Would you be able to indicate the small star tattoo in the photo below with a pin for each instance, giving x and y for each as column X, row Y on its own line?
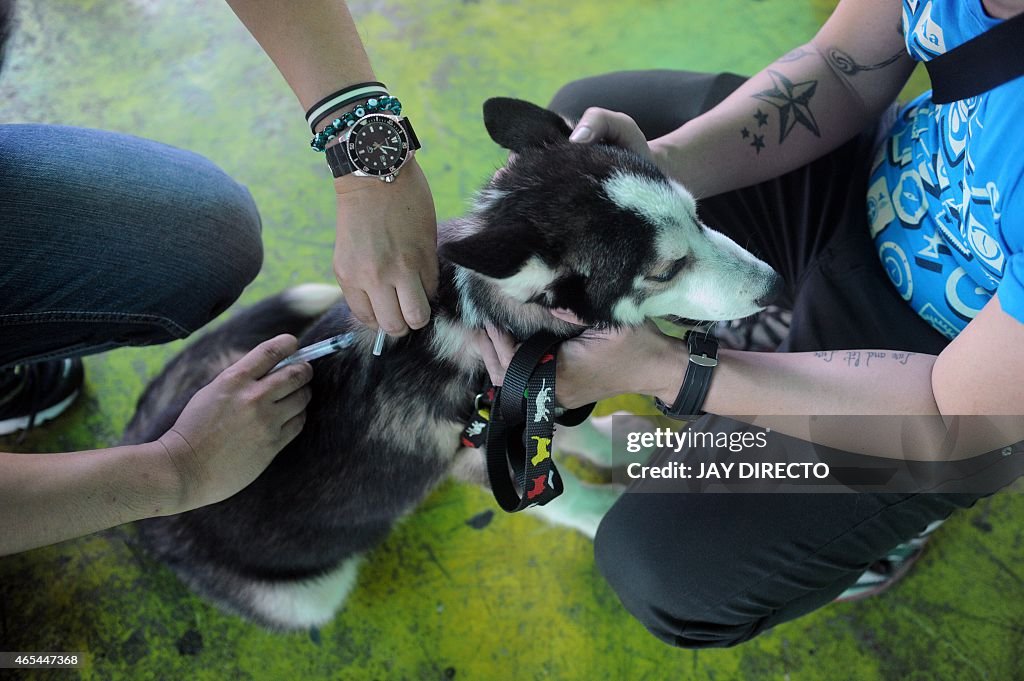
column 762, row 118
column 745, row 133
column 758, row 143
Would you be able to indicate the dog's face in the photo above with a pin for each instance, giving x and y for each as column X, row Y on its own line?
column 599, row 231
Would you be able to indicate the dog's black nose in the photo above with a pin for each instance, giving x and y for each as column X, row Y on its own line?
column 775, row 288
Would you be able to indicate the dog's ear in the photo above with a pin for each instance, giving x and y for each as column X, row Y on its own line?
column 495, row 251
column 518, row 125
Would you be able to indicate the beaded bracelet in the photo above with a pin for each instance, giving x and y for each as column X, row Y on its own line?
column 388, row 104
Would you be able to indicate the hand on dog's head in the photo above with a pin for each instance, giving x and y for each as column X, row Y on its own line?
column 550, row 205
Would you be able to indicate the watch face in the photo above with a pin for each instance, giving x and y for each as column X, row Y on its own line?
column 377, row 145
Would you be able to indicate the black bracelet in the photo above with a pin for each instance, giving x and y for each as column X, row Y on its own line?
column 697, row 379
column 336, row 100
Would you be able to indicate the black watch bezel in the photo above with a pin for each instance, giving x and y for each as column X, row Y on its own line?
column 405, row 146
column 340, row 160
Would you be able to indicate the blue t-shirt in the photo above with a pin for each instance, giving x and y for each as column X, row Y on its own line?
column 945, row 198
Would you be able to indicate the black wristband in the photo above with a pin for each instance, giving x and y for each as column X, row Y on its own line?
column 334, row 108
column 697, row 379
column 316, row 113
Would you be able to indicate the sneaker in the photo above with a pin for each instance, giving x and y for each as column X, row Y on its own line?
column 889, row 569
column 31, row 394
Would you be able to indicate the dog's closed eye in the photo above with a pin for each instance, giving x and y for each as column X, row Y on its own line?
column 667, row 271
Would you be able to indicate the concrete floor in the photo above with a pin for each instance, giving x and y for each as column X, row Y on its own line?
column 441, row 599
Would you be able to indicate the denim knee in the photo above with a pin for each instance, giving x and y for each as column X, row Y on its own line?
column 217, row 253
column 143, row 243
column 148, row 231
column 205, row 234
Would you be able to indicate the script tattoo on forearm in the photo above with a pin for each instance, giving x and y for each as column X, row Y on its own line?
column 844, row 63
column 857, row 358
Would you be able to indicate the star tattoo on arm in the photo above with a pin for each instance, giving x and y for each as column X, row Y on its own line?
column 757, row 141
column 793, row 102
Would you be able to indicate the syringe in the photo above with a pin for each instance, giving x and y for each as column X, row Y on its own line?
column 328, row 346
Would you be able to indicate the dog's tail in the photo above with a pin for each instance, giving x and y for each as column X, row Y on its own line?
column 292, row 311
column 311, row 300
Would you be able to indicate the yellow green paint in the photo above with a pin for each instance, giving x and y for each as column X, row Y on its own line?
column 440, row 599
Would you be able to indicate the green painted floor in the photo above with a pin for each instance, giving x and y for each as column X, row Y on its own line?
column 440, row 600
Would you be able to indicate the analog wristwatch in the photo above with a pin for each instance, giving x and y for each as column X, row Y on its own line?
column 377, row 145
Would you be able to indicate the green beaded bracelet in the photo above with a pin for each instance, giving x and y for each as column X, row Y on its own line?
column 386, row 104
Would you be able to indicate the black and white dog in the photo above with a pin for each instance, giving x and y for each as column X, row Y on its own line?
column 589, row 228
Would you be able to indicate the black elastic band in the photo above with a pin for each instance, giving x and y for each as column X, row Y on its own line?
column 979, row 65
column 341, row 105
column 356, row 86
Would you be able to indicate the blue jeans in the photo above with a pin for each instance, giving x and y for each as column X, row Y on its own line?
column 110, row 240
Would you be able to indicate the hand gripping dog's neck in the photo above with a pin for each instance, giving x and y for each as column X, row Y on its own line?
column 468, row 300
column 517, row 306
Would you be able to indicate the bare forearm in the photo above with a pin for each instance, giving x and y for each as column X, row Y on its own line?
column 47, row 498
column 875, row 402
column 313, row 43
column 847, row 382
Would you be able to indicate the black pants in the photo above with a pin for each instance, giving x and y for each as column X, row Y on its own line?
column 712, row 570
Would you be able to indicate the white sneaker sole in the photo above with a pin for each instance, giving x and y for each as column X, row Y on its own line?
column 21, row 422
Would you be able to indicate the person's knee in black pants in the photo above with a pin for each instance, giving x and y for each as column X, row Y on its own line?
column 669, row 596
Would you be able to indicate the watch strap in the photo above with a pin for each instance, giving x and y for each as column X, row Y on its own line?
column 697, row 379
column 338, row 160
column 414, row 141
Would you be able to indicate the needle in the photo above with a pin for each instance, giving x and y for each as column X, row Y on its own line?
column 325, row 347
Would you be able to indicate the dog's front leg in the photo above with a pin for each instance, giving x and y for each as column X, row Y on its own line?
column 581, row 506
